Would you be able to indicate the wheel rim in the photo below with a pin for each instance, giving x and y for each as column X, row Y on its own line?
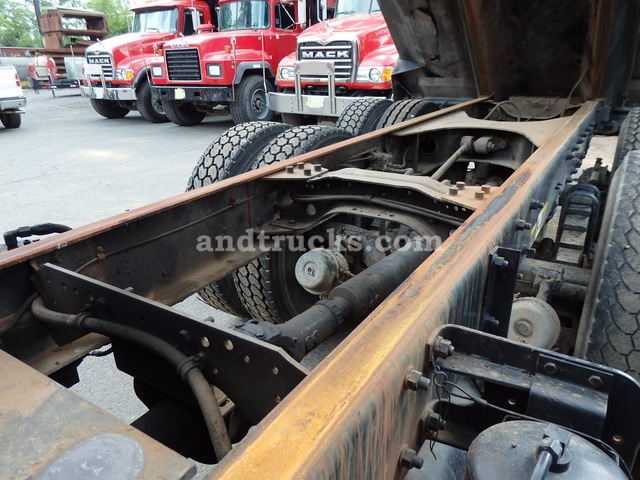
column 259, row 104
column 157, row 105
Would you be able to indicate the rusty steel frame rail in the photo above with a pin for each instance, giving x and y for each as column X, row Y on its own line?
column 352, row 417
column 160, row 217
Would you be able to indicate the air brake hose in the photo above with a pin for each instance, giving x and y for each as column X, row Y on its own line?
column 11, row 237
column 183, row 364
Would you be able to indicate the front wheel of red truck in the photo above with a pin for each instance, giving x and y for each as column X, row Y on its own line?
column 251, row 100
column 363, row 115
column 150, row 109
column 108, row 108
column 182, row 113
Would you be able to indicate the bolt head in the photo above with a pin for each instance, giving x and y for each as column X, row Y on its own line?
column 554, row 447
column 442, row 348
column 550, row 368
column 409, row 458
column 595, row 381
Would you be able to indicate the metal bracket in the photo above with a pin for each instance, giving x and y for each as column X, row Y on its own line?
column 588, row 398
column 499, row 290
column 315, row 69
column 268, row 373
column 561, row 388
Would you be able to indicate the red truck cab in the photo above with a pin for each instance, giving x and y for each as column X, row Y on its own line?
column 116, row 71
column 234, row 66
column 336, row 63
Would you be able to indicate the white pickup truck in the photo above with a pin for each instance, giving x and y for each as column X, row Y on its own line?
column 12, row 98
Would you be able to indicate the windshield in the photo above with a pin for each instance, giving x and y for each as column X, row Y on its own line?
column 156, row 21
column 244, row 15
column 354, row 7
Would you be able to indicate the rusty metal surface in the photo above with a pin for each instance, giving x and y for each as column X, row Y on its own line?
column 536, row 132
column 51, row 433
column 588, row 48
column 62, row 356
column 464, row 196
column 351, row 416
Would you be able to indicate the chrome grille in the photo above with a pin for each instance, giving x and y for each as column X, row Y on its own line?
column 342, row 53
column 104, row 60
column 183, row 64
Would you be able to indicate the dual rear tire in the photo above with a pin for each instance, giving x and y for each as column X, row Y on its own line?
column 266, row 287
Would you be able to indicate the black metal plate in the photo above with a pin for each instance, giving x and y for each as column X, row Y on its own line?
column 254, row 374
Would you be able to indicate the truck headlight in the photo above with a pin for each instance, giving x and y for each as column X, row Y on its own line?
column 214, row 70
column 124, row 74
column 284, row 73
column 374, row 74
column 156, row 71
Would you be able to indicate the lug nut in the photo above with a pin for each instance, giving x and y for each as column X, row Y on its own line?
column 453, row 190
column 434, row 422
column 415, row 381
column 409, row 458
column 536, row 204
column 442, row 348
column 479, row 195
column 460, row 185
column 489, row 322
column 501, row 262
column 486, row 188
column 522, row 225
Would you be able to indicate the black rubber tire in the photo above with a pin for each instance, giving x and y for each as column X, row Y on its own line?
column 151, row 109
column 267, row 285
column 11, row 120
column 615, row 331
column 628, row 137
column 251, row 101
column 234, row 152
column 404, row 110
column 362, row 116
column 108, row 108
column 182, row 113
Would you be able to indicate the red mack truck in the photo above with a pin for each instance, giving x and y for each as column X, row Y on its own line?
column 335, row 64
column 116, row 72
column 233, row 67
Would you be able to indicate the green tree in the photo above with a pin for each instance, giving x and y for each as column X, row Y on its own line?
column 116, row 11
column 18, row 27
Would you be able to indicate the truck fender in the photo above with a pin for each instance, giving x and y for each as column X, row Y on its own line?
column 252, row 66
column 141, row 77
